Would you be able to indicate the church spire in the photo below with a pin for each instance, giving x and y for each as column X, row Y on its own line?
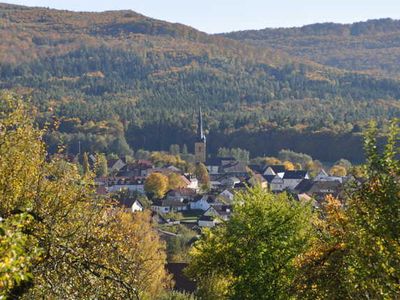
column 200, row 155
column 200, row 132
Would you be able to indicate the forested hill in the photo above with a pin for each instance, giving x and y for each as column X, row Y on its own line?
column 372, row 47
column 118, row 79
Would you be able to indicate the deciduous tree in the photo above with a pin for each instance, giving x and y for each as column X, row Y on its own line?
column 156, row 184
column 253, row 254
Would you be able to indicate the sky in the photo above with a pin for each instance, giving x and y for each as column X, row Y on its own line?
column 214, row 16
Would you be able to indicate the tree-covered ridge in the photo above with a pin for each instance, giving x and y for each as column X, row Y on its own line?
column 370, row 47
column 119, row 79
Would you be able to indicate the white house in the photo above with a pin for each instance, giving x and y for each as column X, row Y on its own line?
column 136, row 206
column 132, row 205
column 204, row 203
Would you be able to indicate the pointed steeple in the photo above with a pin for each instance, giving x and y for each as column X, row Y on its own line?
column 200, row 132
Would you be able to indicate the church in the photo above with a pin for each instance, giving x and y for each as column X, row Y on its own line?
column 200, row 144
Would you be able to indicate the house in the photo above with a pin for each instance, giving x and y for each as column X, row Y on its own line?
column 304, row 186
column 276, row 184
column 227, row 195
column 319, row 189
column 174, row 169
column 289, row 181
column 133, row 205
column 130, row 184
column 170, row 205
column 203, row 202
column 191, row 182
column 115, row 165
column 222, row 212
column 274, row 170
column 229, row 182
column 237, row 168
column 256, row 168
column 159, row 208
column 214, row 164
column 207, row 221
column 292, row 178
column 323, row 176
column 258, row 180
column 181, row 194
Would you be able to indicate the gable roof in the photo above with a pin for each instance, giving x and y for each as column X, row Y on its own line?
column 276, row 168
column 129, row 202
column 304, row 186
column 235, row 167
column 256, row 168
column 174, row 203
column 296, row 174
column 269, row 178
column 322, row 172
column 206, row 218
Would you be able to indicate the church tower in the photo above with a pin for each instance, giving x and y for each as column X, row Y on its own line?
column 200, row 144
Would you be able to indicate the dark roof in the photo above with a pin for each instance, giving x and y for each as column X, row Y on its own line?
column 295, row 174
column 223, row 209
column 217, row 161
column 182, row 282
column 257, row 168
column 235, row 167
column 128, row 202
column 206, row 218
column 276, row 168
column 174, row 203
column 326, row 187
column 304, row 186
column 269, row 178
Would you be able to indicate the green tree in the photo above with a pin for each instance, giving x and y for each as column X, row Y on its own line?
column 18, row 252
column 374, row 235
column 356, row 253
column 253, row 254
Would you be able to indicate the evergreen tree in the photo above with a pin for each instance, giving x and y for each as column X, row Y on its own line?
column 85, row 164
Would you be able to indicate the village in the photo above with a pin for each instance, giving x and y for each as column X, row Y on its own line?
column 197, row 206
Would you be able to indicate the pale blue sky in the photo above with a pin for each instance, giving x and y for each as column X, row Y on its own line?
column 227, row 15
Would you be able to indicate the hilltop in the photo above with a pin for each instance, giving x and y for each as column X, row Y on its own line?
column 119, row 79
column 372, row 47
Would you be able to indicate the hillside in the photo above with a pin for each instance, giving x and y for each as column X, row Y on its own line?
column 372, row 47
column 118, row 79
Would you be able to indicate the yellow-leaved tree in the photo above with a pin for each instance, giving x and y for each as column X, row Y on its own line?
column 76, row 245
column 156, row 184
